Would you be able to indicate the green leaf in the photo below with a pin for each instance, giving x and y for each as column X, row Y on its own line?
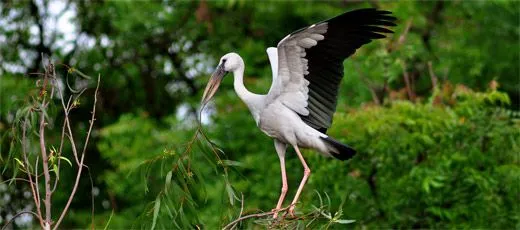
column 156, row 209
column 232, row 163
column 168, row 181
column 65, row 159
column 19, row 162
column 109, row 219
column 344, row 221
column 231, row 193
column 55, row 169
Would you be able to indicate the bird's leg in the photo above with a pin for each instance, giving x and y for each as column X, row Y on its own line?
column 284, row 188
column 306, row 174
column 280, row 148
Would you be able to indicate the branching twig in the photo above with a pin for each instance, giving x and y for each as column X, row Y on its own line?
column 80, row 166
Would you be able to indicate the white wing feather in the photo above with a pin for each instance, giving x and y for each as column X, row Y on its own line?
column 272, row 53
column 290, row 86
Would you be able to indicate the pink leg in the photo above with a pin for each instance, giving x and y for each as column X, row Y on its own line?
column 284, row 187
column 306, row 174
column 280, row 150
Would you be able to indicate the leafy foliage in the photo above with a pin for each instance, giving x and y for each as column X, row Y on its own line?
column 437, row 142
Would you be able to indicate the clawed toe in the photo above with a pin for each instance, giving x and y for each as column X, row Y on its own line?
column 276, row 211
column 291, row 212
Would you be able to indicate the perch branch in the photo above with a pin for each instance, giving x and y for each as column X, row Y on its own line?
column 256, row 215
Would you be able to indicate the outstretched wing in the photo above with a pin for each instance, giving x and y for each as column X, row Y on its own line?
column 310, row 62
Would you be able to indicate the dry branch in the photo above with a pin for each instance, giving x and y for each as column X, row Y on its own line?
column 47, row 86
column 80, row 165
column 256, row 215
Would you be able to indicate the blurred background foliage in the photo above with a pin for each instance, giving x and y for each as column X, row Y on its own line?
column 432, row 111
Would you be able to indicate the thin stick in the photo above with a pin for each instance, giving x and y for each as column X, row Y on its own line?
column 256, row 215
column 78, row 175
column 241, row 211
column 18, row 214
column 58, row 154
column 66, row 110
column 31, row 183
column 406, row 77
column 71, row 139
column 241, row 206
column 45, row 159
column 36, row 176
column 16, row 179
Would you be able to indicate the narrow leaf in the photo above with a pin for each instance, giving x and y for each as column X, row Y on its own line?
column 168, row 181
column 19, row 162
column 344, row 221
column 67, row 160
column 156, row 208
column 109, row 219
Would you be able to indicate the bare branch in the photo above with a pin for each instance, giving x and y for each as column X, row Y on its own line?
column 45, row 159
column 406, row 77
column 402, row 38
column 36, row 181
column 17, row 215
column 16, row 179
column 59, row 153
column 34, row 186
column 256, row 215
column 78, row 175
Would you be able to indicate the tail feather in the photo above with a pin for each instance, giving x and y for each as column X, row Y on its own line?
column 339, row 150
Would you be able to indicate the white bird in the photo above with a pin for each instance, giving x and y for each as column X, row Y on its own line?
column 307, row 68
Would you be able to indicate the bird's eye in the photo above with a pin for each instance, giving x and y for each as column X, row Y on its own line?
column 223, row 61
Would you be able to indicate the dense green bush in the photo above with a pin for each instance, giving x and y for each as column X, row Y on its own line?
column 431, row 165
column 450, row 162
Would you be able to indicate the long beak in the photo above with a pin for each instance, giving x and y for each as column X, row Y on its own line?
column 213, row 84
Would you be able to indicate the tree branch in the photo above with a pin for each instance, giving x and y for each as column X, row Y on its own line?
column 49, row 71
column 78, row 175
column 45, row 159
column 31, row 183
column 19, row 214
column 409, row 91
column 256, row 215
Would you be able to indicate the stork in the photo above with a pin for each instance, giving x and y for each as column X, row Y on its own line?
column 307, row 68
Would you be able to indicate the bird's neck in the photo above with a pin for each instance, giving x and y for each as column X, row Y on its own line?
column 253, row 101
column 238, row 84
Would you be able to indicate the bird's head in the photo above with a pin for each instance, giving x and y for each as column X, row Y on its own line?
column 228, row 63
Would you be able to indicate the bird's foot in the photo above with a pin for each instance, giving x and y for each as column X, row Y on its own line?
column 291, row 212
column 275, row 211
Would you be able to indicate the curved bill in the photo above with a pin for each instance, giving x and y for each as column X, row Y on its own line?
column 213, row 84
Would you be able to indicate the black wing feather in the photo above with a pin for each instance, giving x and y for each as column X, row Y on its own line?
column 345, row 33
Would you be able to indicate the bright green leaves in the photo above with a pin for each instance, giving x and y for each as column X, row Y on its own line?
column 435, row 164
